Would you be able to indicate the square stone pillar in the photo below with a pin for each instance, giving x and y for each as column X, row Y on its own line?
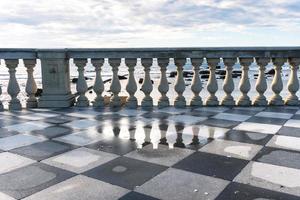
column 55, row 79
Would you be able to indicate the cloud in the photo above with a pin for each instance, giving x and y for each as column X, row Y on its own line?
column 98, row 23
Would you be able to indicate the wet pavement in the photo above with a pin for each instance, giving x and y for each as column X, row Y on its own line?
column 204, row 153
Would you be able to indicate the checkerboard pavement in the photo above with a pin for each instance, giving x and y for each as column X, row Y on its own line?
column 204, row 153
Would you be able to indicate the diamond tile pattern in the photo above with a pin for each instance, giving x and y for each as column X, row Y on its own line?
column 204, row 153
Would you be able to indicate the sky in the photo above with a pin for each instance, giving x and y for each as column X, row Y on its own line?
column 148, row 23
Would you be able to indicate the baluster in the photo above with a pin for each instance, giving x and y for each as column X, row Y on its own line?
column 13, row 88
column 277, row 86
column 244, row 99
column 180, row 84
column 228, row 85
column 261, row 83
column 147, row 84
column 115, row 87
column 196, row 82
column 1, row 105
column 163, row 87
column 293, row 84
column 131, row 87
column 81, row 86
column 212, row 84
column 31, row 87
column 98, row 85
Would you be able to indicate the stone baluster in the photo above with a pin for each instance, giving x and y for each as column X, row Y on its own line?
column 261, row 83
column 293, row 84
column 196, row 82
column 115, row 87
column 131, row 86
column 81, row 86
column 13, row 88
column 244, row 99
column 31, row 87
column 163, row 87
column 98, row 85
column 212, row 85
column 180, row 84
column 277, row 85
column 1, row 105
column 228, row 85
column 147, row 83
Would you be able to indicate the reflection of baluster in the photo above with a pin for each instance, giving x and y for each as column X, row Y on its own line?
column 277, row 86
column 163, row 87
column 195, row 140
column 261, row 84
column 13, row 88
column 179, row 141
column 98, row 85
column 131, row 131
column 147, row 130
column 244, row 99
column 196, row 82
column 293, row 84
column 131, row 86
column 163, row 127
column 180, row 84
column 31, row 87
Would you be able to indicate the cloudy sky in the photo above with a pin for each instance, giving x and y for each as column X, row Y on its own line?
column 149, row 23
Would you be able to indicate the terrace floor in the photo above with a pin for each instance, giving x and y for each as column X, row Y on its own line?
column 204, row 153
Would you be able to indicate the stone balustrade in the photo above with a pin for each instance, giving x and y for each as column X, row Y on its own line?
column 56, row 76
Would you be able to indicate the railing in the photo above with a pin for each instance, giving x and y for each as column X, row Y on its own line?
column 56, row 76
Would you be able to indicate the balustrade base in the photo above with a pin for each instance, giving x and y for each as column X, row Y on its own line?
column 260, row 101
column 292, row 101
column 276, row 101
column 244, row 101
column 98, row 103
column 132, row 103
column 180, row 102
column 146, row 103
column 229, row 101
column 1, row 107
column 14, row 106
column 163, row 102
column 196, row 101
column 31, row 104
column 56, row 101
column 212, row 101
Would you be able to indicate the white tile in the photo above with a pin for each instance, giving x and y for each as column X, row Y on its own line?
column 27, row 126
column 232, row 149
column 272, row 177
column 212, row 109
column 131, row 112
column 252, row 108
column 5, row 197
column 186, row 119
column 17, row 141
column 205, row 131
column 285, row 142
column 258, row 127
column 10, row 161
column 163, row 155
column 80, row 187
column 37, row 116
column 232, row 117
column 172, row 110
column 81, row 138
column 87, row 113
column 80, row 160
column 293, row 123
column 175, row 184
column 83, row 123
column 274, row 115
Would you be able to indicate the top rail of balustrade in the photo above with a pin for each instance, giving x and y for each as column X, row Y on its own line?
column 188, row 52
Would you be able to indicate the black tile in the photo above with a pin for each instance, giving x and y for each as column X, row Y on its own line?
column 242, row 112
column 212, row 165
column 6, row 133
column 247, row 192
column 114, row 145
column 156, row 115
column 8, row 121
column 280, row 157
column 53, row 131
column 267, row 120
column 28, row 180
column 197, row 113
column 60, row 119
column 289, row 131
column 125, row 172
column 247, row 137
column 220, row 123
column 42, row 150
column 136, row 196
column 295, row 117
column 282, row 109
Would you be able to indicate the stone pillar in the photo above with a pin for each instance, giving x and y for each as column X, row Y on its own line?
column 277, row 85
column 244, row 99
column 147, row 84
column 131, row 86
column 293, row 84
column 196, row 82
column 212, row 84
column 55, row 80
column 81, row 85
column 13, row 88
column 31, row 87
column 228, row 85
column 261, row 84
column 98, row 85
column 180, row 84
column 163, row 86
